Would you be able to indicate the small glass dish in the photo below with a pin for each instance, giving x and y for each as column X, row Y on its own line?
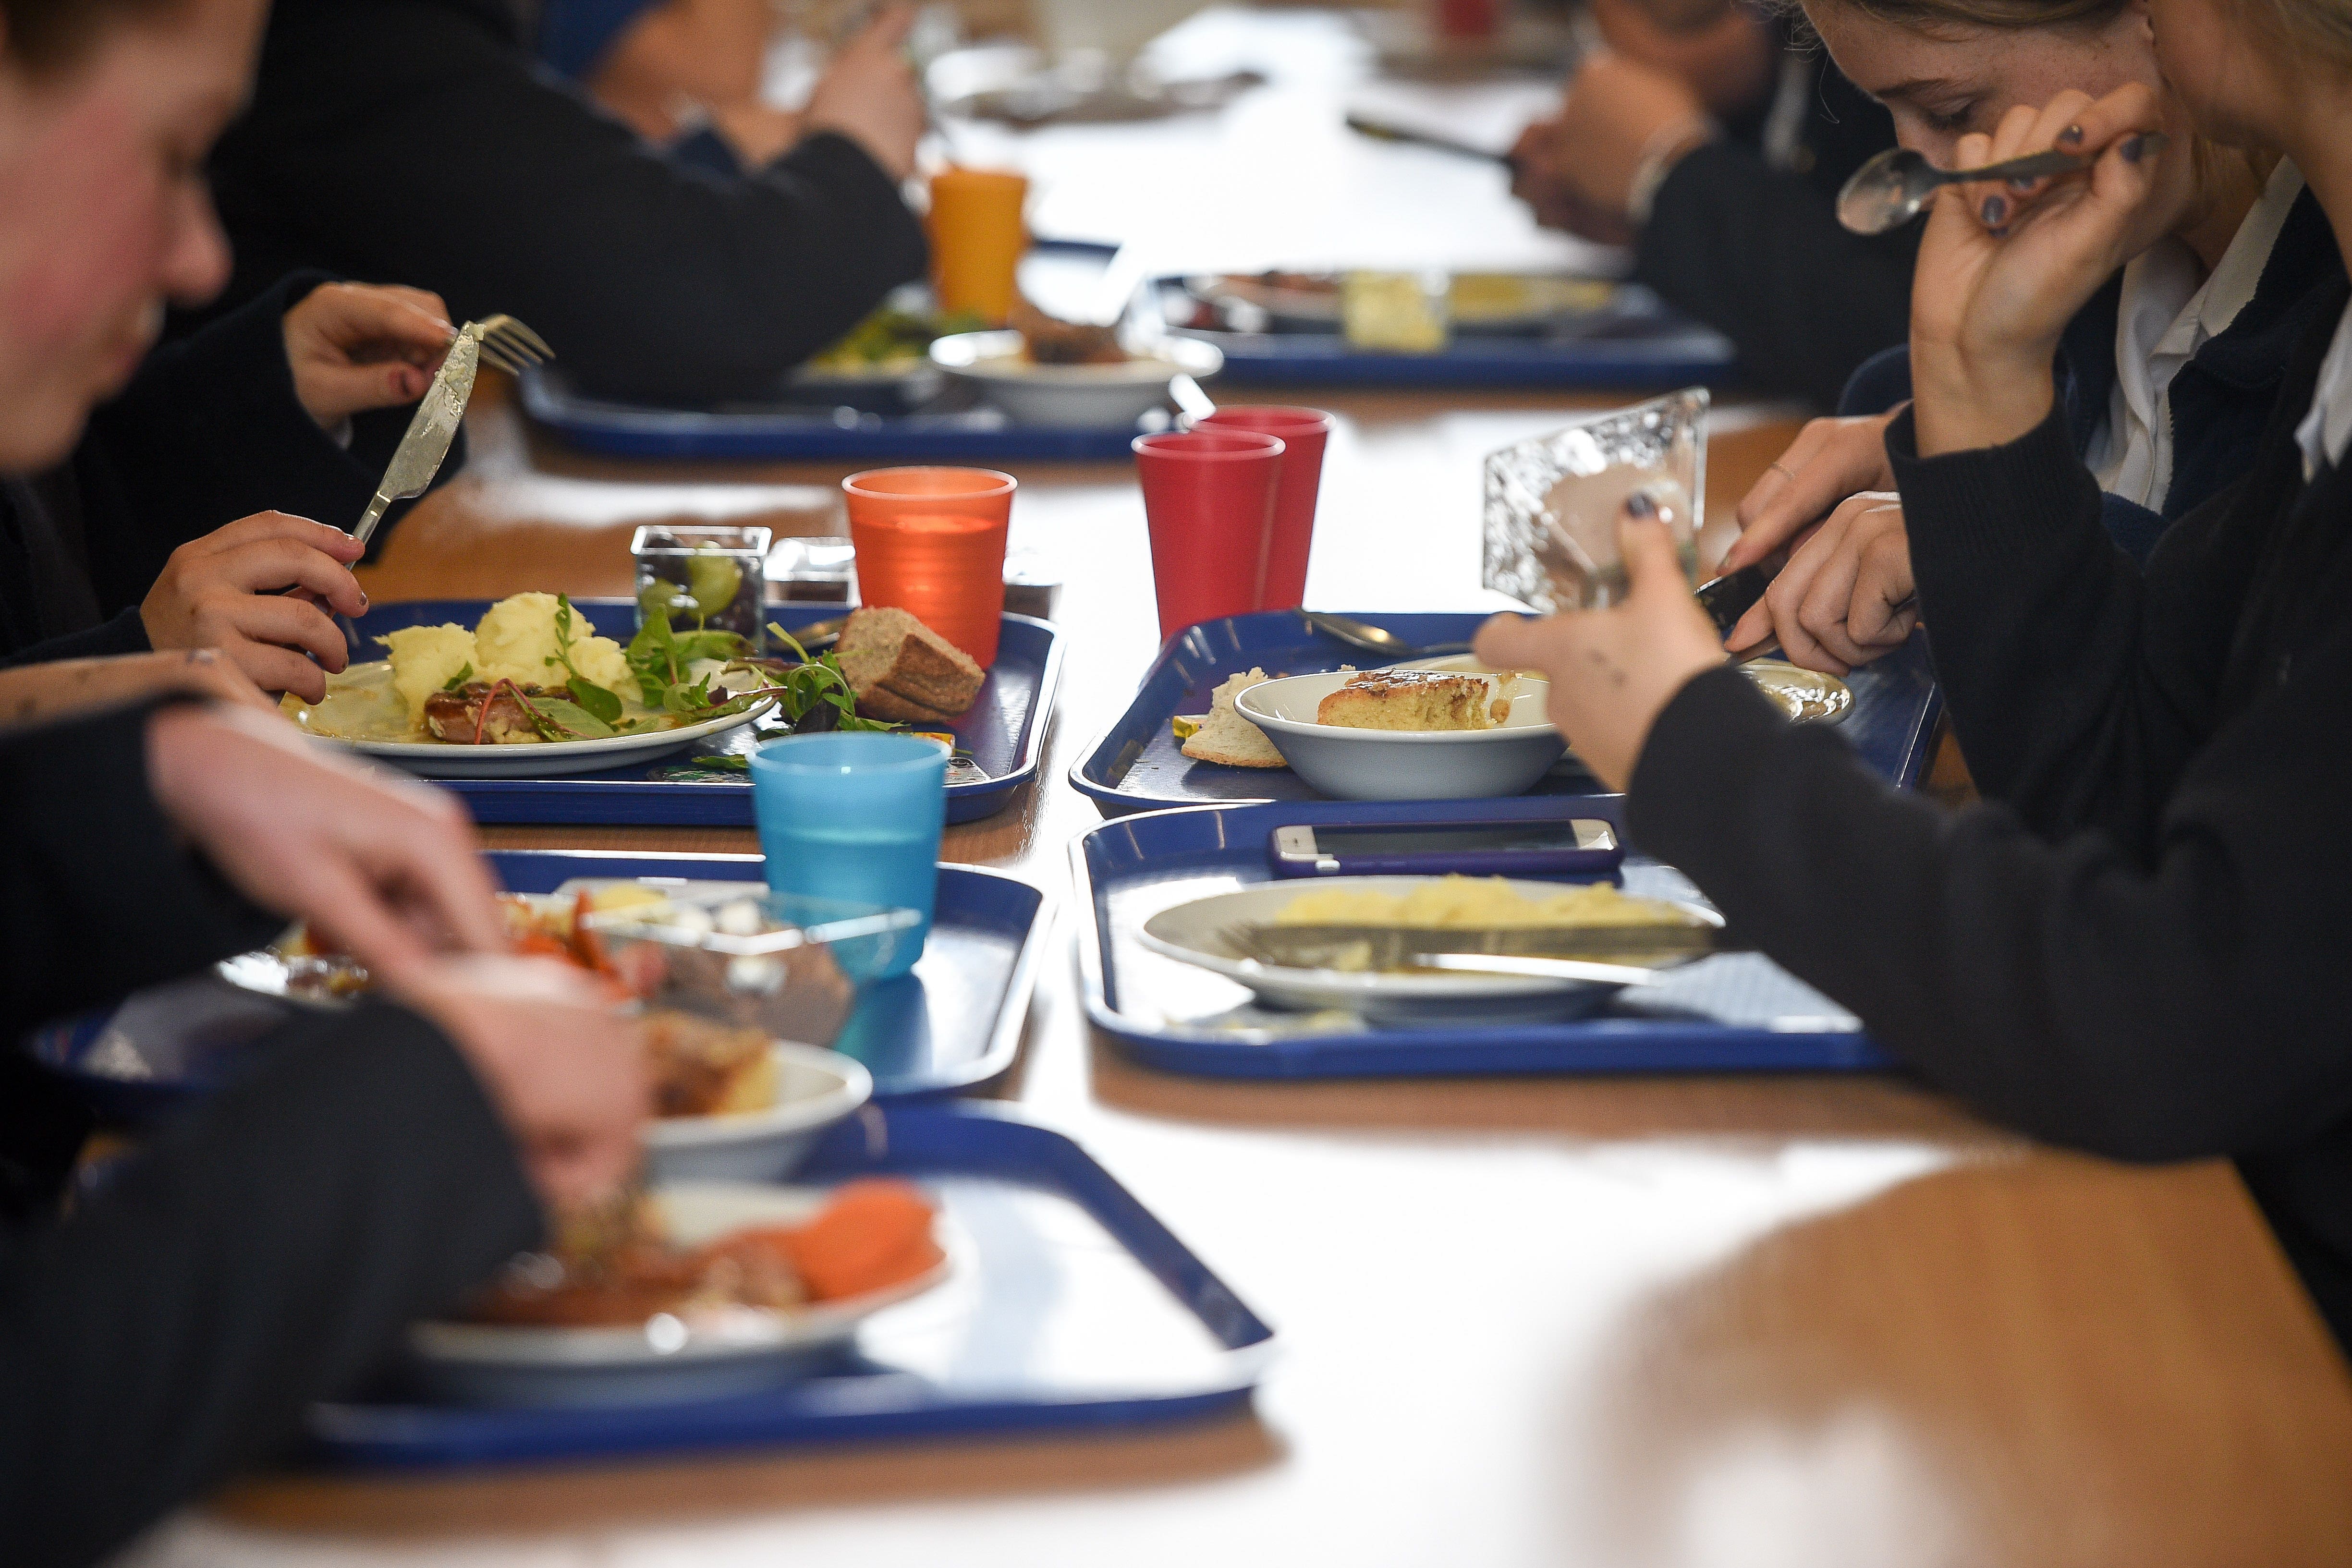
column 821, row 569
column 712, row 576
column 743, row 955
column 1552, row 503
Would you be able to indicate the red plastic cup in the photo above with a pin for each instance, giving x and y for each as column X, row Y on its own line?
column 1303, row 432
column 930, row 542
column 1208, row 496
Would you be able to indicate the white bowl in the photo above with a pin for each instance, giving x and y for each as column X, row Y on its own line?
column 708, row 1356
column 1072, row 396
column 1404, row 765
column 814, row 1089
column 1194, row 933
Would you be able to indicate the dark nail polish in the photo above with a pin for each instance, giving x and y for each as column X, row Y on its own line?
column 2134, row 149
column 2000, row 233
column 363, row 601
column 1639, row 505
column 2072, row 136
column 1995, row 209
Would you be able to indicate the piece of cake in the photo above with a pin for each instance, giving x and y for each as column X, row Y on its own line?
column 1226, row 736
column 1418, row 700
column 901, row 669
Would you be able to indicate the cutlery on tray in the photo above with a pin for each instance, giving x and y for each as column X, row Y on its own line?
column 1374, row 639
column 1376, row 947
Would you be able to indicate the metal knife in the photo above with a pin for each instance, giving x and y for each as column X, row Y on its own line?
column 430, row 430
column 1396, row 947
column 1727, row 598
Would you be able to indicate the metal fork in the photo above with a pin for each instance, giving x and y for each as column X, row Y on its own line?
column 508, row 344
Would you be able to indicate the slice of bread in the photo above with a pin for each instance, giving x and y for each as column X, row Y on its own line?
column 901, row 669
column 1226, row 736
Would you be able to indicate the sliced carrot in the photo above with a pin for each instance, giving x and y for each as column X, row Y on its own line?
column 874, row 1234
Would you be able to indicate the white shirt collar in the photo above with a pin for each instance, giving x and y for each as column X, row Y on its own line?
column 2164, row 317
column 2328, row 426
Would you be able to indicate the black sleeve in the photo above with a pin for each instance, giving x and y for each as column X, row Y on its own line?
column 124, row 633
column 2187, row 1005
column 208, row 431
column 650, row 279
column 2018, row 579
column 97, row 895
column 263, row 1254
column 1759, row 255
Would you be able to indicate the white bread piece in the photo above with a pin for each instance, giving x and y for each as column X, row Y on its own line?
column 1227, row 737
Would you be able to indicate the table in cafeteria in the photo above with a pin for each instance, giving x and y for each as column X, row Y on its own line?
column 1751, row 1321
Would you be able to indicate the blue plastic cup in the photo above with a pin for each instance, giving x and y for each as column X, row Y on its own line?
column 855, row 817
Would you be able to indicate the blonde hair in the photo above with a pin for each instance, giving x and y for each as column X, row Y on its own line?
column 2321, row 24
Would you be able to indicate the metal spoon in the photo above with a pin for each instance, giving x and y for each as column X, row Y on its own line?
column 1374, row 639
column 1889, row 191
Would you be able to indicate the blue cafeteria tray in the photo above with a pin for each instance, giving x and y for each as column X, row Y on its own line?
column 1135, row 766
column 792, row 434
column 1637, row 342
column 1005, row 731
column 1736, row 1012
column 954, row 1024
column 1072, row 1306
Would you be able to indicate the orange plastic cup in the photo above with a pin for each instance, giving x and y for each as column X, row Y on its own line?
column 930, row 542
column 977, row 240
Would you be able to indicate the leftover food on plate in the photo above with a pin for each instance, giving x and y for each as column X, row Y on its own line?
column 892, row 341
column 1050, row 340
column 619, row 1267
column 533, row 670
column 1470, row 904
column 1419, row 700
column 699, row 1067
column 900, row 669
column 1223, row 736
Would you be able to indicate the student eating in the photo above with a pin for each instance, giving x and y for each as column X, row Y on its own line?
column 2129, row 945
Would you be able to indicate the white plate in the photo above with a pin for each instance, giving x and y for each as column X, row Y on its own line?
column 1404, row 765
column 705, row 1355
column 814, row 1089
column 541, row 758
column 1192, row 933
column 1072, row 396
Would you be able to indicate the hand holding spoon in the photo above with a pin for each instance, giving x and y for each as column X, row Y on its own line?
column 1890, row 190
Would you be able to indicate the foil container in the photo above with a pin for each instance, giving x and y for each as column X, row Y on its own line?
column 1552, row 503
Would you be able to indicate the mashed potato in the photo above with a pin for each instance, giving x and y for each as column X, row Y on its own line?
column 1462, row 903
column 516, row 641
column 427, row 658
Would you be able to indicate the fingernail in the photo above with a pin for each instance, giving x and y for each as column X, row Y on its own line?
column 2072, row 135
column 362, row 600
column 1641, row 504
column 1995, row 208
column 2134, row 149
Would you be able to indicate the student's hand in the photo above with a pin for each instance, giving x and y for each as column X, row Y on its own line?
column 43, row 694
column 1613, row 671
column 869, row 93
column 357, row 346
column 219, row 591
column 566, row 1072
column 1579, row 166
column 383, row 868
column 1541, row 163
column 1830, row 460
column 2002, row 269
column 1834, row 605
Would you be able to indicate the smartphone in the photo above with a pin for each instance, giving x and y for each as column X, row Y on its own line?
column 1581, row 847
